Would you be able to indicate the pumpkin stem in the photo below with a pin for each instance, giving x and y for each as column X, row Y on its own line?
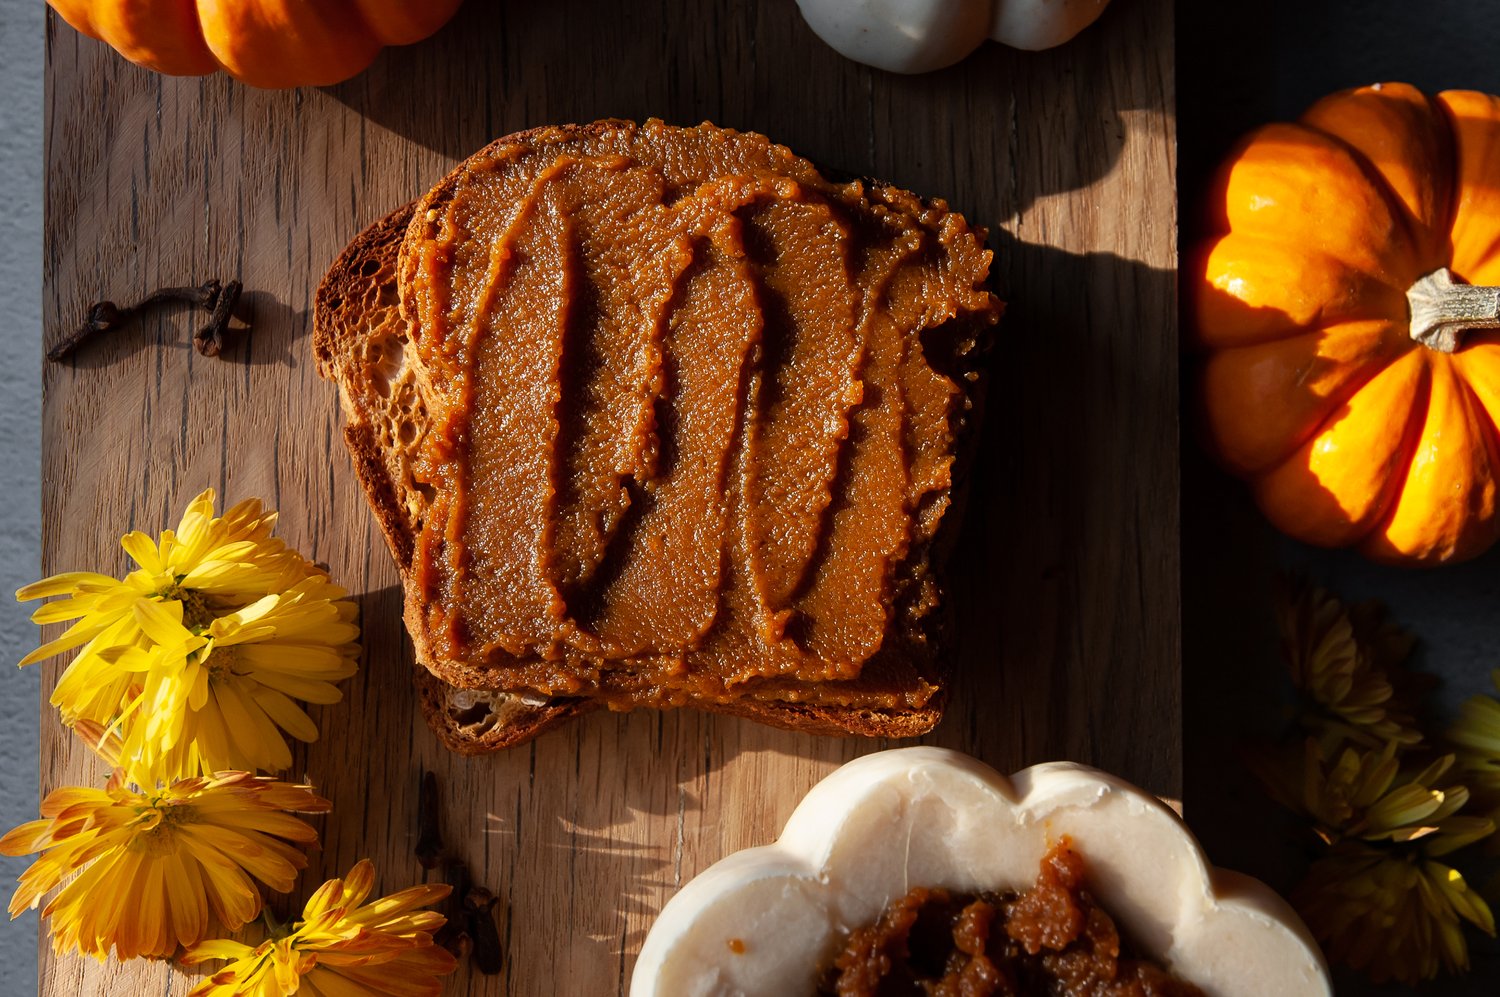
column 1443, row 310
column 106, row 316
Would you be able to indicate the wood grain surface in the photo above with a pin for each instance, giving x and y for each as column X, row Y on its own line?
column 1065, row 585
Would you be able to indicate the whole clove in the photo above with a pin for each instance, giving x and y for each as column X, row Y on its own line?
column 105, row 316
column 470, row 930
column 479, row 909
column 454, row 934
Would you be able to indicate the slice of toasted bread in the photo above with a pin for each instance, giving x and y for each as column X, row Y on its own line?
column 529, row 630
column 359, row 340
column 362, row 341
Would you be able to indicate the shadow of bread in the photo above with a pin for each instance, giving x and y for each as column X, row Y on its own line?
column 1045, row 555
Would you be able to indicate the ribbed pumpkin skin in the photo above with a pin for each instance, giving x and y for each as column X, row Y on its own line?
column 265, row 43
column 1350, row 432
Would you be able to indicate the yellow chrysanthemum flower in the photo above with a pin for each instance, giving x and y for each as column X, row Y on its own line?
column 153, row 864
column 198, row 654
column 1377, row 897
column 1392, row 916
column 342, row 946
column 218, row 697
column 207, row 561
column 1346, row 663
column 1364, row 795
column 1477, row 735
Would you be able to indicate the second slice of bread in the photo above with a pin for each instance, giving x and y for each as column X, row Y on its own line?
column 360, row 342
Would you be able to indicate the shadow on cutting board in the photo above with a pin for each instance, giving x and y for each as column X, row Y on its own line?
column 1065, row 581
column 991, row 134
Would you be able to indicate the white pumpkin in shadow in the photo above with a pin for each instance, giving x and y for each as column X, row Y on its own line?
column 916, row 36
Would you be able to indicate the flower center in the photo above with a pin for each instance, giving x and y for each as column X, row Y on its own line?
column 221, row 661
column 157, row 821
column 196, row 614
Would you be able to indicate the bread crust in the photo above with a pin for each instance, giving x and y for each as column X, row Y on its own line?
column 355, row 305
column 357, row 314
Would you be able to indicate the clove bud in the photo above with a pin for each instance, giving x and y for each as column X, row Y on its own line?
column 470, row 930
column 479, row 911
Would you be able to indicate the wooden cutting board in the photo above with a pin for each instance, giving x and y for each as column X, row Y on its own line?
column 1066, row 583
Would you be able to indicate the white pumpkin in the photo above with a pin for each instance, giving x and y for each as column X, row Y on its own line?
column 915, row 36
column 765, row 921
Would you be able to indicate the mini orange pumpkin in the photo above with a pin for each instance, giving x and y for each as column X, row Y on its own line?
column 266, row 43
column 1348, row 305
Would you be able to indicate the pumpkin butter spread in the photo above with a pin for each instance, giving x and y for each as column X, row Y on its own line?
column 693, row 417
column 1051, row 940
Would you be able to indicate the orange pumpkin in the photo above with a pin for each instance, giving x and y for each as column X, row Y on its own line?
column 1349, row 306
column 266, row 43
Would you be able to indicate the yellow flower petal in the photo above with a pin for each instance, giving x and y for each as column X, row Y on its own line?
column 186, row 904
column 284, row 713
column 161, row 620
column 251, row 732
column 79, row 633
column 62, row 584
column 217, row 948
column 298, row 687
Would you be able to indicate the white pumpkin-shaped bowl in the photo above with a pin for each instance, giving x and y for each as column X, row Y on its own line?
column 768, row 920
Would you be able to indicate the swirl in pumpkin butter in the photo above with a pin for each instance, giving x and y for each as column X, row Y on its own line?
column 694, row 409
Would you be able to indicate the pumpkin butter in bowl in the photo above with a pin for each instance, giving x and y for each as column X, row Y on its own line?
column 663, row 416
column 922, row 871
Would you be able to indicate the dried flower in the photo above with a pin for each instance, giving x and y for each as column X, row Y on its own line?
column 1390, row 915
column 341, row 946
column 154, row 862
column 198, row 654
